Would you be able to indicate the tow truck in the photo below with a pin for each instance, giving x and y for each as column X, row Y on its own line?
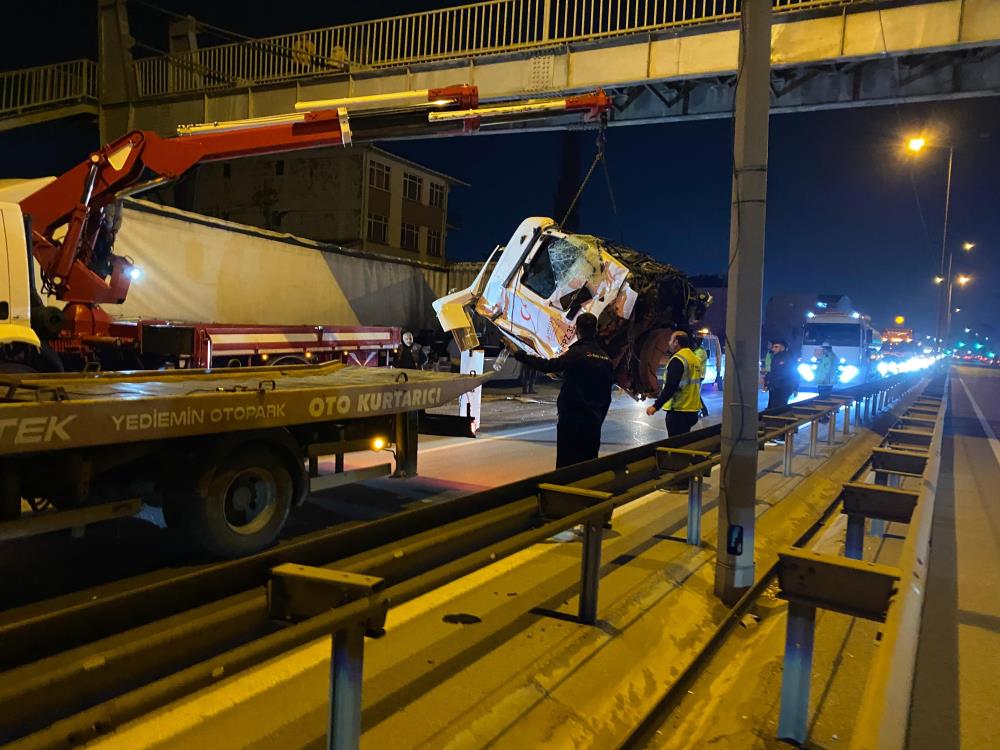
column 68, row 229
column 226, row 452
column 544, row 277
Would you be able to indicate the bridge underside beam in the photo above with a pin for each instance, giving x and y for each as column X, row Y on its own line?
column 34, row 117
column 944, row 75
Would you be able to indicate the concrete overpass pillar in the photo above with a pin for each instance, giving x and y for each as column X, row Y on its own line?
column 118, row 84
column 734, row 571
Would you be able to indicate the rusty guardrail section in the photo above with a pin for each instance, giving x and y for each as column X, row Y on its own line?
column 91, row 666
column 890, row 594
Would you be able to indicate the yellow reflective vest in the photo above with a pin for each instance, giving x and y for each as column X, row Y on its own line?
column 688, row 395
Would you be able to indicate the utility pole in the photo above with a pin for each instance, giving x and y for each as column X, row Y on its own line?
column 734, row 568
column 944, row 299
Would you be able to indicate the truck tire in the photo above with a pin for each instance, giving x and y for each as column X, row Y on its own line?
column 245, row 507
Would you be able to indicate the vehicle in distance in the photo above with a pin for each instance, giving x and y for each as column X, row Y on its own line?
column 855, row 342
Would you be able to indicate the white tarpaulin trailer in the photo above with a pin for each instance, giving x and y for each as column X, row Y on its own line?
column 198, row 268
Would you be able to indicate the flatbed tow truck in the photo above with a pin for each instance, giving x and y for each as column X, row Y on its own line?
column 223, row 452
column 226, row 454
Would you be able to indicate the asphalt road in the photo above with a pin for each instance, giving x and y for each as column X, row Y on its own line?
column 957, row 685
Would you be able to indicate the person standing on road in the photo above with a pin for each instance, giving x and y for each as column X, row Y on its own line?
column 585, row 395
column 528, row 376
column 765, row 367
column 782, row 381
column 826, row 370
column 697, row 345
column 680, row 396
column 408, row 356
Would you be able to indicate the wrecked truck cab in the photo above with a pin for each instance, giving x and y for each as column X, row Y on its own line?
column 533, row 288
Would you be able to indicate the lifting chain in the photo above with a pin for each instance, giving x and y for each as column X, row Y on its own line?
column 599, row 158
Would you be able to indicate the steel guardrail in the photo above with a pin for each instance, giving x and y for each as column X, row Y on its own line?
column 889, row 689
column 47, row 701
column 891, row 594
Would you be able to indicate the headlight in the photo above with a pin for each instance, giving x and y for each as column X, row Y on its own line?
column 848, row 373
column 806, row 372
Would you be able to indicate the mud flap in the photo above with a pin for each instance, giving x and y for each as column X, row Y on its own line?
column 447, row 425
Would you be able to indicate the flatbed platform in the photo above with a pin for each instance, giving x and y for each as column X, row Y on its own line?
column 53, row 412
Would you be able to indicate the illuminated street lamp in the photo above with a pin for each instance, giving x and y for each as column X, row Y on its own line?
column 962, row 279
column 938, row 279
column 967, row 246
column 915, row 145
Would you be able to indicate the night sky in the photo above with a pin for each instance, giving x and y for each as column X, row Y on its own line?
column 848, row 212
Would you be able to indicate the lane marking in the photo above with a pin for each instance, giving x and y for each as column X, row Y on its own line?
column 990, row 435
column 480, row 441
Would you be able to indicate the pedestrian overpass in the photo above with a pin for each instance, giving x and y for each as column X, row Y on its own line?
column 662, row 59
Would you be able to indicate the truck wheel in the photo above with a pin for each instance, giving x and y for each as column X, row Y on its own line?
column 246, row 506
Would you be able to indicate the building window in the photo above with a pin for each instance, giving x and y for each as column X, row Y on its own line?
column 279, row 167
column 378, row 175
column 412, row 186
column 437, row 195
column 410, row 237
column 378, row 228
column 433, row 241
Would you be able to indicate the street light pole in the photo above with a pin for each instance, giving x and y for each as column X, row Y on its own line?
column 944, row 297
column 949, row 288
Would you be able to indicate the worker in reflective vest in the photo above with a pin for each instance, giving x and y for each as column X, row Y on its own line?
column 680, row 397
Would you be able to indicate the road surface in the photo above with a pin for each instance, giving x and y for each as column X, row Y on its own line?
column 957, row 686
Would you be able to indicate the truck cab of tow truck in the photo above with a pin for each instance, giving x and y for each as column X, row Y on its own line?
column 15, row 283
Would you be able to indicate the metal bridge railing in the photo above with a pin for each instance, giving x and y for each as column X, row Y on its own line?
column 476, row 29
column 47, row 86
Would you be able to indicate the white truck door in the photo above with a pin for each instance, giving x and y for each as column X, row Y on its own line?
column 15, row 284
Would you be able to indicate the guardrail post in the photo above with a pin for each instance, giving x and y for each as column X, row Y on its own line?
column 847, row 418
column 813, row 437
column 344, row 732
column 559, row 501
column 857, row 414
column 590, row 570
column 298, row 592
column 878, row 525
column 868, row 407
column 855, row 541
column 789, row 451
column 695, row 485
column 793, row 720
column 831, row 427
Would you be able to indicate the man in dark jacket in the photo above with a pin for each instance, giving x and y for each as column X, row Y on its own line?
column 782, row 382
column 408, row 356
column 585, row 394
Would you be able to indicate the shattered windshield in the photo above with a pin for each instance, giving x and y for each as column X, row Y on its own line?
column 575, row 258
column 564, row 264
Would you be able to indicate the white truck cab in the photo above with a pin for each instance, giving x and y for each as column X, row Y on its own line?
column 542, row 280
column 544, row 277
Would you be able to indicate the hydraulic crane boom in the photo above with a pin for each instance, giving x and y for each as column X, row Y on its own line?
column 72, row 218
